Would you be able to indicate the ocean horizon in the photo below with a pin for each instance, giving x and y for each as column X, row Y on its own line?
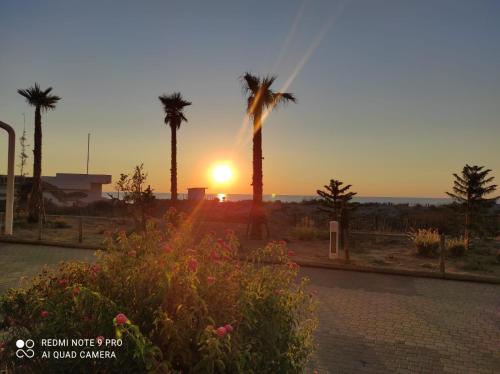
column 300, row 198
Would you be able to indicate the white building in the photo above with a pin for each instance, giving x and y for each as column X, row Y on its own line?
column 86, row 188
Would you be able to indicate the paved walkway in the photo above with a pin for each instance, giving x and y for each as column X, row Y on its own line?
column 20, row 262
column 374, row 323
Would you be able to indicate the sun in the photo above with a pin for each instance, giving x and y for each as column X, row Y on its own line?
column 222, row 173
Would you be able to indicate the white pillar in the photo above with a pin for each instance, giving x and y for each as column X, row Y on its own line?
column 9, row 201
column 334, row 240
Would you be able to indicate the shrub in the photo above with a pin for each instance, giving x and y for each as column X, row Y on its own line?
column 179, row 306
column 456, row 247
column 426, row 241
column 304, row 230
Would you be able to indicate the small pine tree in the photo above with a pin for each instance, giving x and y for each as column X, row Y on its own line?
column 335, row 201
column 335, row 197
column 469, row 191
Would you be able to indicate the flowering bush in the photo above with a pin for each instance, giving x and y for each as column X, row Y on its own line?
column 178, row 306
column 456, row 247
column 426, row 241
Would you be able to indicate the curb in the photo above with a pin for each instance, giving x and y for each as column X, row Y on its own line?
column 49, row 243
column 309, row 264
column 402, row 272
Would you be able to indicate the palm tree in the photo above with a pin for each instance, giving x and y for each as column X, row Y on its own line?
column 42, row 100
column 173, row 106
column 469, row 191
column 260, row 98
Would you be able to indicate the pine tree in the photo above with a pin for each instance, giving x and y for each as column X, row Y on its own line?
column 469, row 191
column 335, row 201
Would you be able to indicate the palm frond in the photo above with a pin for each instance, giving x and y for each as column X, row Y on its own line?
column 250, row 83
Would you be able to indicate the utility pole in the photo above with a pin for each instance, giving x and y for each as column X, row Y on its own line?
column 88, row 152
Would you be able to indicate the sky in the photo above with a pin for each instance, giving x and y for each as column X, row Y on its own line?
column 393, row 96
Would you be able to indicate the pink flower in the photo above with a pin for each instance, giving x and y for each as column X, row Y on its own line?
column 228, row 328
column 213, row 255
column 221, row 331
column 293, row 266
column 291, row 253
column 63, row 282
column 210, row 280
column 282, row 242
column 100, row 340
column 121, row 319
column 44, row 314
column 192, row 264
column 167, row 248
column 75, row 291
column 132, row 253
column 95, row 269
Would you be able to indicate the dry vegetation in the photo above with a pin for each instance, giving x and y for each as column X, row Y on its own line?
column 378, row 235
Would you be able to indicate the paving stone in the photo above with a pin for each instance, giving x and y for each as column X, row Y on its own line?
column 371, row 323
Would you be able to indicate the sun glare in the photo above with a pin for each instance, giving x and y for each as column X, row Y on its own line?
column 222, row 173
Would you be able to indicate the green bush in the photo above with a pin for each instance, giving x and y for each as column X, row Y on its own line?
column 178, row 306
column 426, row 242
column 456, row 247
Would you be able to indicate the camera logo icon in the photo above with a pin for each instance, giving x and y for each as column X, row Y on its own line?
column 27, row 352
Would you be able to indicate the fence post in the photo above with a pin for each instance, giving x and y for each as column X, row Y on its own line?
column 40, row 224
column 442, row 246
column 80, row 229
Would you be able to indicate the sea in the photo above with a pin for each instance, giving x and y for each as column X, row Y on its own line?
column 299, row 198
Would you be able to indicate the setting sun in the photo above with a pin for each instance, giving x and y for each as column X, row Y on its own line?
column 222, row 173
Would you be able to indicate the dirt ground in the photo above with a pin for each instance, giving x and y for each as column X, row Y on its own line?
column 384, row 250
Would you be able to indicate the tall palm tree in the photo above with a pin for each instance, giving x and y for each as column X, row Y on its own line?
column 42, row 100
column 173, row 105
column 260, row 98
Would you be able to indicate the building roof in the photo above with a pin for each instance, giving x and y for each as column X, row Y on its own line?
column 77, row 181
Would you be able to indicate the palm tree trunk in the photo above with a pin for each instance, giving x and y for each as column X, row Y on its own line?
column 36, row 188
column 257, row 215
column 173, row 167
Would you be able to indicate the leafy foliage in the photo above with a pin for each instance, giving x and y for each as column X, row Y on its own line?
column 179, row 306
column 173, row 106
column 37, row 97
column 138, row 199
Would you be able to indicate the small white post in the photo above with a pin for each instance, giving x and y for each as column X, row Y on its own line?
column 334, row 240
column 9, row 198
